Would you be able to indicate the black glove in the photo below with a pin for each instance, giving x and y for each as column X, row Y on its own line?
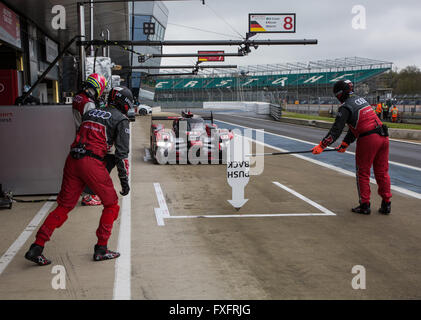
column 124, row 186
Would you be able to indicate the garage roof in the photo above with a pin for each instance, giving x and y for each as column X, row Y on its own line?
column 112, row 16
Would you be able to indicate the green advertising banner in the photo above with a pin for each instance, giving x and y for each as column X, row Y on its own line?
column 278, row 80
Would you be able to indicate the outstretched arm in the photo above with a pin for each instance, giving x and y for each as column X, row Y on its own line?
column 335, row 131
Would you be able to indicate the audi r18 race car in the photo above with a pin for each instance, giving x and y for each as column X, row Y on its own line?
column 189, row 140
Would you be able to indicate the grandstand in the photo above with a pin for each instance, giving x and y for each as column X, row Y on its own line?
column 302, row 83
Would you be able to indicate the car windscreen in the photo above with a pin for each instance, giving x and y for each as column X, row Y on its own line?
column 196, row 125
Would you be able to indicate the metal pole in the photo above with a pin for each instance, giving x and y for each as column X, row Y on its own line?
column 287, row 152
column 108, row 48
column 181, row 67
column 252, row 43
column 182, row 55
column 92, row 26
column 104, row 48
column 82, row 33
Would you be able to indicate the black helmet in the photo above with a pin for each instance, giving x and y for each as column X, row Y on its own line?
column 342, row 89
column 122, row 98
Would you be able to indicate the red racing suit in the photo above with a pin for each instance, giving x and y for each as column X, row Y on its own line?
column 372, row 147
column 100, row 129
column 82, row 103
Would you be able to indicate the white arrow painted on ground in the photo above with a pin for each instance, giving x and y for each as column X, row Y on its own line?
column 238, row 197
column 238, row 169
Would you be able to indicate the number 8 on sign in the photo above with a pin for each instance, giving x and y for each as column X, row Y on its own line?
column 272, row 22
column 288, row 23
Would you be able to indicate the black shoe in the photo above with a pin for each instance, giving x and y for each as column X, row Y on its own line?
column 386, row 207
column 102, row 253
column 34, row 254
column 363, row 208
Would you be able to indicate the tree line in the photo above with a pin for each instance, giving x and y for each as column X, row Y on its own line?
column 406, row 81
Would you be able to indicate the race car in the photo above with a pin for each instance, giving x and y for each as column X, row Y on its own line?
column 144, row 109
column 189, row 140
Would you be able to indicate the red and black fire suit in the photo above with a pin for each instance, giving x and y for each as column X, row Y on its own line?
column 100, row 129
column 82, row 103
column 372, row 147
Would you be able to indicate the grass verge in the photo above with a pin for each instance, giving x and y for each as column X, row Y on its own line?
column 311, row 117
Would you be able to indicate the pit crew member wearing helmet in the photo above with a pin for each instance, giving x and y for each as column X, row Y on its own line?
column 100, row 129
column 87, row 99
column 372, row 144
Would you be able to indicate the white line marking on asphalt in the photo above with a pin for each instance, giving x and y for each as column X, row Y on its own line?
column 24, row 236
column 147, row 156
column 250, row 215
column 313, row 144
column 326, row 165
column 161, row 200
column 403, row 141
column 298, row 195
column 122, row 280
column 160, row 217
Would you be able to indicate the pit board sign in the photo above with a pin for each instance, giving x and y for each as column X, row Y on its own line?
column 203, row 56
column 272, row 22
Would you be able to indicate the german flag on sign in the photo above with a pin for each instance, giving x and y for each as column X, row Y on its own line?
column 255, row 26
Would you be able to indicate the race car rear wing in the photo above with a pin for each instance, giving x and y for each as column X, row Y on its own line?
column 209, row 118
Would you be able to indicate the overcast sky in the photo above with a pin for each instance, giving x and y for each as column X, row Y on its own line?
column 393, row 29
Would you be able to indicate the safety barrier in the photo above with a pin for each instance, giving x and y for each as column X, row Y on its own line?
column 275, row 111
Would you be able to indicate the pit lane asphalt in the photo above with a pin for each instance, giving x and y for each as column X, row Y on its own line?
column 300, row 257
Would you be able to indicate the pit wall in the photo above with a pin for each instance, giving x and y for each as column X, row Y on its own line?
column 248, row 106
column 35, row 142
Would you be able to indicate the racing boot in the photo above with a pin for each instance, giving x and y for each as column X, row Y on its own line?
column 102, row 253
column 363, row 208
column 385, row 208
column 34, row 254
column 91, row 200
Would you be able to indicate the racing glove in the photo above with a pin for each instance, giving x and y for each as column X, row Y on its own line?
column 124, row 186
column 318, row 149
column 342, row 147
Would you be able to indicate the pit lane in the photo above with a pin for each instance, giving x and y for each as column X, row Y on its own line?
column 288, row 257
